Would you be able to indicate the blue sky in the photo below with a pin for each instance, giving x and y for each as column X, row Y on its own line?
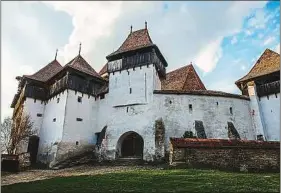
column 222, row 39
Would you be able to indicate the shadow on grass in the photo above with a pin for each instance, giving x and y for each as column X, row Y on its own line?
column 154, row 181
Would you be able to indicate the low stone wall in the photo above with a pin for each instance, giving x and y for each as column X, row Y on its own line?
column 234, row 155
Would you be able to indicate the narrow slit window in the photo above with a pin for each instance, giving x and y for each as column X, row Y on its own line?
column 77, row 143
column 79, row 119
column 54, row 119
column 34, row 100
column 230, row 110
column 58, row 100
column 130, row 90
column 217, row 103
column 127, row 109
column 79, row 99
column 190, row 107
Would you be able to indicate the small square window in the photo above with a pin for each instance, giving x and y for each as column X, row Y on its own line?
column 58, row 100
column 39, row 115
column 79, row 119
column 54, row 119
column 77, row 143
column 102, row 96
column 79, row 99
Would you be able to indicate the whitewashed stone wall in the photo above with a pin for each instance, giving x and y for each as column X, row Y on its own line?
column 51, row 131
column 33, row 108
column 270, row 110
column 213, row 111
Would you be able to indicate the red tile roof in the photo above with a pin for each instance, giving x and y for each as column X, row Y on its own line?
column 135, row 40
column 268, row 63
column 103, row 70
column 80, row 64
column 201, row 92
column 219, row 143
column 184, row 78
column 47, row 72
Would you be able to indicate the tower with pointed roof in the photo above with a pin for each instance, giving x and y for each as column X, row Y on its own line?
column 262, row 85
column 116, row 113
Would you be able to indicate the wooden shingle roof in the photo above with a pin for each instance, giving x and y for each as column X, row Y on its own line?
column 135, row 40
column 184, row 78
column 80, row 64
column 47, row 72
column 268, row 63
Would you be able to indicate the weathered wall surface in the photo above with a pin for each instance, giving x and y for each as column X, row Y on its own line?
column 35, row 108
column 213, row 111
column 270, row 111
column 226, row 154
column 79, row 126
column 52, row 127
column 124, row 111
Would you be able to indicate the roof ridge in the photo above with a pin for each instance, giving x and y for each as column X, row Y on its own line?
column 198, row 80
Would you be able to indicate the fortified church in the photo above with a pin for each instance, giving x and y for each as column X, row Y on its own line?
column 133, row 106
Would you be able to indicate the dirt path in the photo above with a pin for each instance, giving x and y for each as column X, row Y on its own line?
column 36, row 174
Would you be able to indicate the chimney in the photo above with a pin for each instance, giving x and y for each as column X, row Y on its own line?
column 145, row 25
column 131, row 29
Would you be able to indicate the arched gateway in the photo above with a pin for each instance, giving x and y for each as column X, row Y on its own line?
column 130, row 144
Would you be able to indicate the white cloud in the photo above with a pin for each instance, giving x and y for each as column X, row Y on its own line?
column 249, row 32
column 234, row 40
column 268, row 40
column 243, row 67
column 207, row 59
column 258, row 20
column 102, row 26
column 260, row 36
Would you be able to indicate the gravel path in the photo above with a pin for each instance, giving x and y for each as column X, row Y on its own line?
column 36, row 174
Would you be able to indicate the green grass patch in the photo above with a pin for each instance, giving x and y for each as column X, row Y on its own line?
column 180, row 180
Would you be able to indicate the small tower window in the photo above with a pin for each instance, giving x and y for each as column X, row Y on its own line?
column 275, row 95
column 190, row 107
column 130, row 90
column 230, row 110
column 102, row 96
column 54, row 119
column 127, row 109
column 79, row 99
column 77, row 143
column 217, row 103
column 79, row 119
column 34, row 100
column 58, row 100
column 39, row 115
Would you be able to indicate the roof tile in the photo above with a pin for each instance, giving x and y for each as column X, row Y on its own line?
column 135, row 40
column 269, row 62
column 184, row 78
column 47, row 72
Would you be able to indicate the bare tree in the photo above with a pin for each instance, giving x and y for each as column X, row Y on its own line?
column 6, row 128
column 19, row 132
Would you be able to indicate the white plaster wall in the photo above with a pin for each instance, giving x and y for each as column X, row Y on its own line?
column 140, row 80
column 32, row 108
column 51, row 132
column 178, row 119
column 81, row 131
column 270, row 110
column 139, row 117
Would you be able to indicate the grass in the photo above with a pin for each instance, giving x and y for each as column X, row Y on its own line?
column 180, row 180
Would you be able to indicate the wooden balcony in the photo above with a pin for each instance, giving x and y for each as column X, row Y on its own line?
column 269, row 88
